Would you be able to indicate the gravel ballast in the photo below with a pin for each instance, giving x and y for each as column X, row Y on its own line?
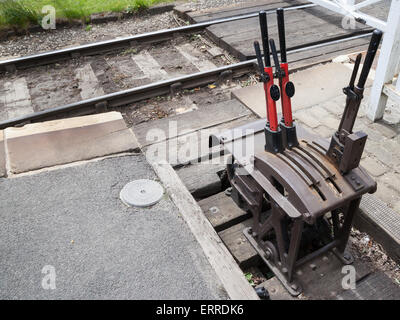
column 70, row 36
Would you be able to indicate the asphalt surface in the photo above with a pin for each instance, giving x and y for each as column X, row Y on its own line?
column 70, row 222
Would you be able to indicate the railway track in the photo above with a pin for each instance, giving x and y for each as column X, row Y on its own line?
column 121, row 43
column 137, row 77
column 111, row 74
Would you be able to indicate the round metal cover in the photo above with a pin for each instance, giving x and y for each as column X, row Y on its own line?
column 141, row 193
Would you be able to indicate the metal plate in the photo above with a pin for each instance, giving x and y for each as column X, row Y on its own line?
column 141, row 193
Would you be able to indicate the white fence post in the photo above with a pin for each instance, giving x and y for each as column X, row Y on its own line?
column 387, row 64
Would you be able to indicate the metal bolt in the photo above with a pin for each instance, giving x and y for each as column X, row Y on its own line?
column 284, row 270
column 347, row 256
column 294, row 286
column 228, row 191
column 214, row 210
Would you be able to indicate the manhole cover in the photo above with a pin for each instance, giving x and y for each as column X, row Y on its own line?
column 141, row 193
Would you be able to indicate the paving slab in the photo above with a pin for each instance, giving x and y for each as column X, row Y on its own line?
column 51, row 143
column 315, row 85
column 2, row 155
column 70, row 222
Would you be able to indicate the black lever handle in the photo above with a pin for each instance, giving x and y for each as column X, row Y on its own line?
column 282, row 39
column 264, row 37
column 369, row 59
column 259, row 60
column 355, row 71
column 275, row 56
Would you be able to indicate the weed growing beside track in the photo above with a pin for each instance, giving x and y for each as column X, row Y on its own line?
column 20, row 14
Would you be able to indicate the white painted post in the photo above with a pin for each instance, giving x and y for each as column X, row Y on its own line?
column 388, row 60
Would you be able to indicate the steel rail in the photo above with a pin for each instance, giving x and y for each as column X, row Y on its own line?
column 154, row 89
column 125, row 97
column 121, row 43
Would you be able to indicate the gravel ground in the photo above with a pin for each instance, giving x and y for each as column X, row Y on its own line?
column 368, row 249
column 64, row 37
column 73, row 36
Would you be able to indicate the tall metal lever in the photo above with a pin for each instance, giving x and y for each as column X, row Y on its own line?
column 346, row 147
column 272, row 93
column 278, row 71
column 264, row 37
column 281, row 30
column 264, row 76
column 355, row 71
column 369, row 59
column 355, row 93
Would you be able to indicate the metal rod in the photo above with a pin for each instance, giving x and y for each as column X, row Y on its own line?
column 259, row 59
column 282, row 39
column 369, row 59
column 274, row 55
column 98, row 47
column 139, row 93
column 355, row 71
column 317, row 253
column 264, row 37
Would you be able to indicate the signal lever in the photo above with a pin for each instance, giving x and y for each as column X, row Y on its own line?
column 346, row 147
column 287, row 87
column 273, row 134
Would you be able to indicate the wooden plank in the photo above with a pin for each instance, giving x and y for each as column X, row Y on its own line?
column 321, row 278
column 15, row 99
column 318, row 32
column 222, row 211
column 234, row 239
column 88, row 83
column 149, row 66
column 194, row 56
column 201, row 179
column 381, row 223
column 303, row 26
column 191, row 147
column 216, row 252
column 301, row 21
column 240, row 9
column 206, row 116
column 376, row 286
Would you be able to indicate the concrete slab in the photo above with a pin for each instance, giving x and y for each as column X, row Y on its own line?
column 71, row 222
column 15, row 100
column 2, row 155
column 313, row 86
column 50, row 143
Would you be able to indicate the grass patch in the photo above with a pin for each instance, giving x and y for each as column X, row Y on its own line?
column 23, row 13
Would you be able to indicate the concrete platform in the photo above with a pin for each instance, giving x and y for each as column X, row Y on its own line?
column 72, row 219
column 313, row 86
column 51, row 143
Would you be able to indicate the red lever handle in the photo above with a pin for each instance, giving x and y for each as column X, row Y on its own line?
column 286, row 103
column 271, row 103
